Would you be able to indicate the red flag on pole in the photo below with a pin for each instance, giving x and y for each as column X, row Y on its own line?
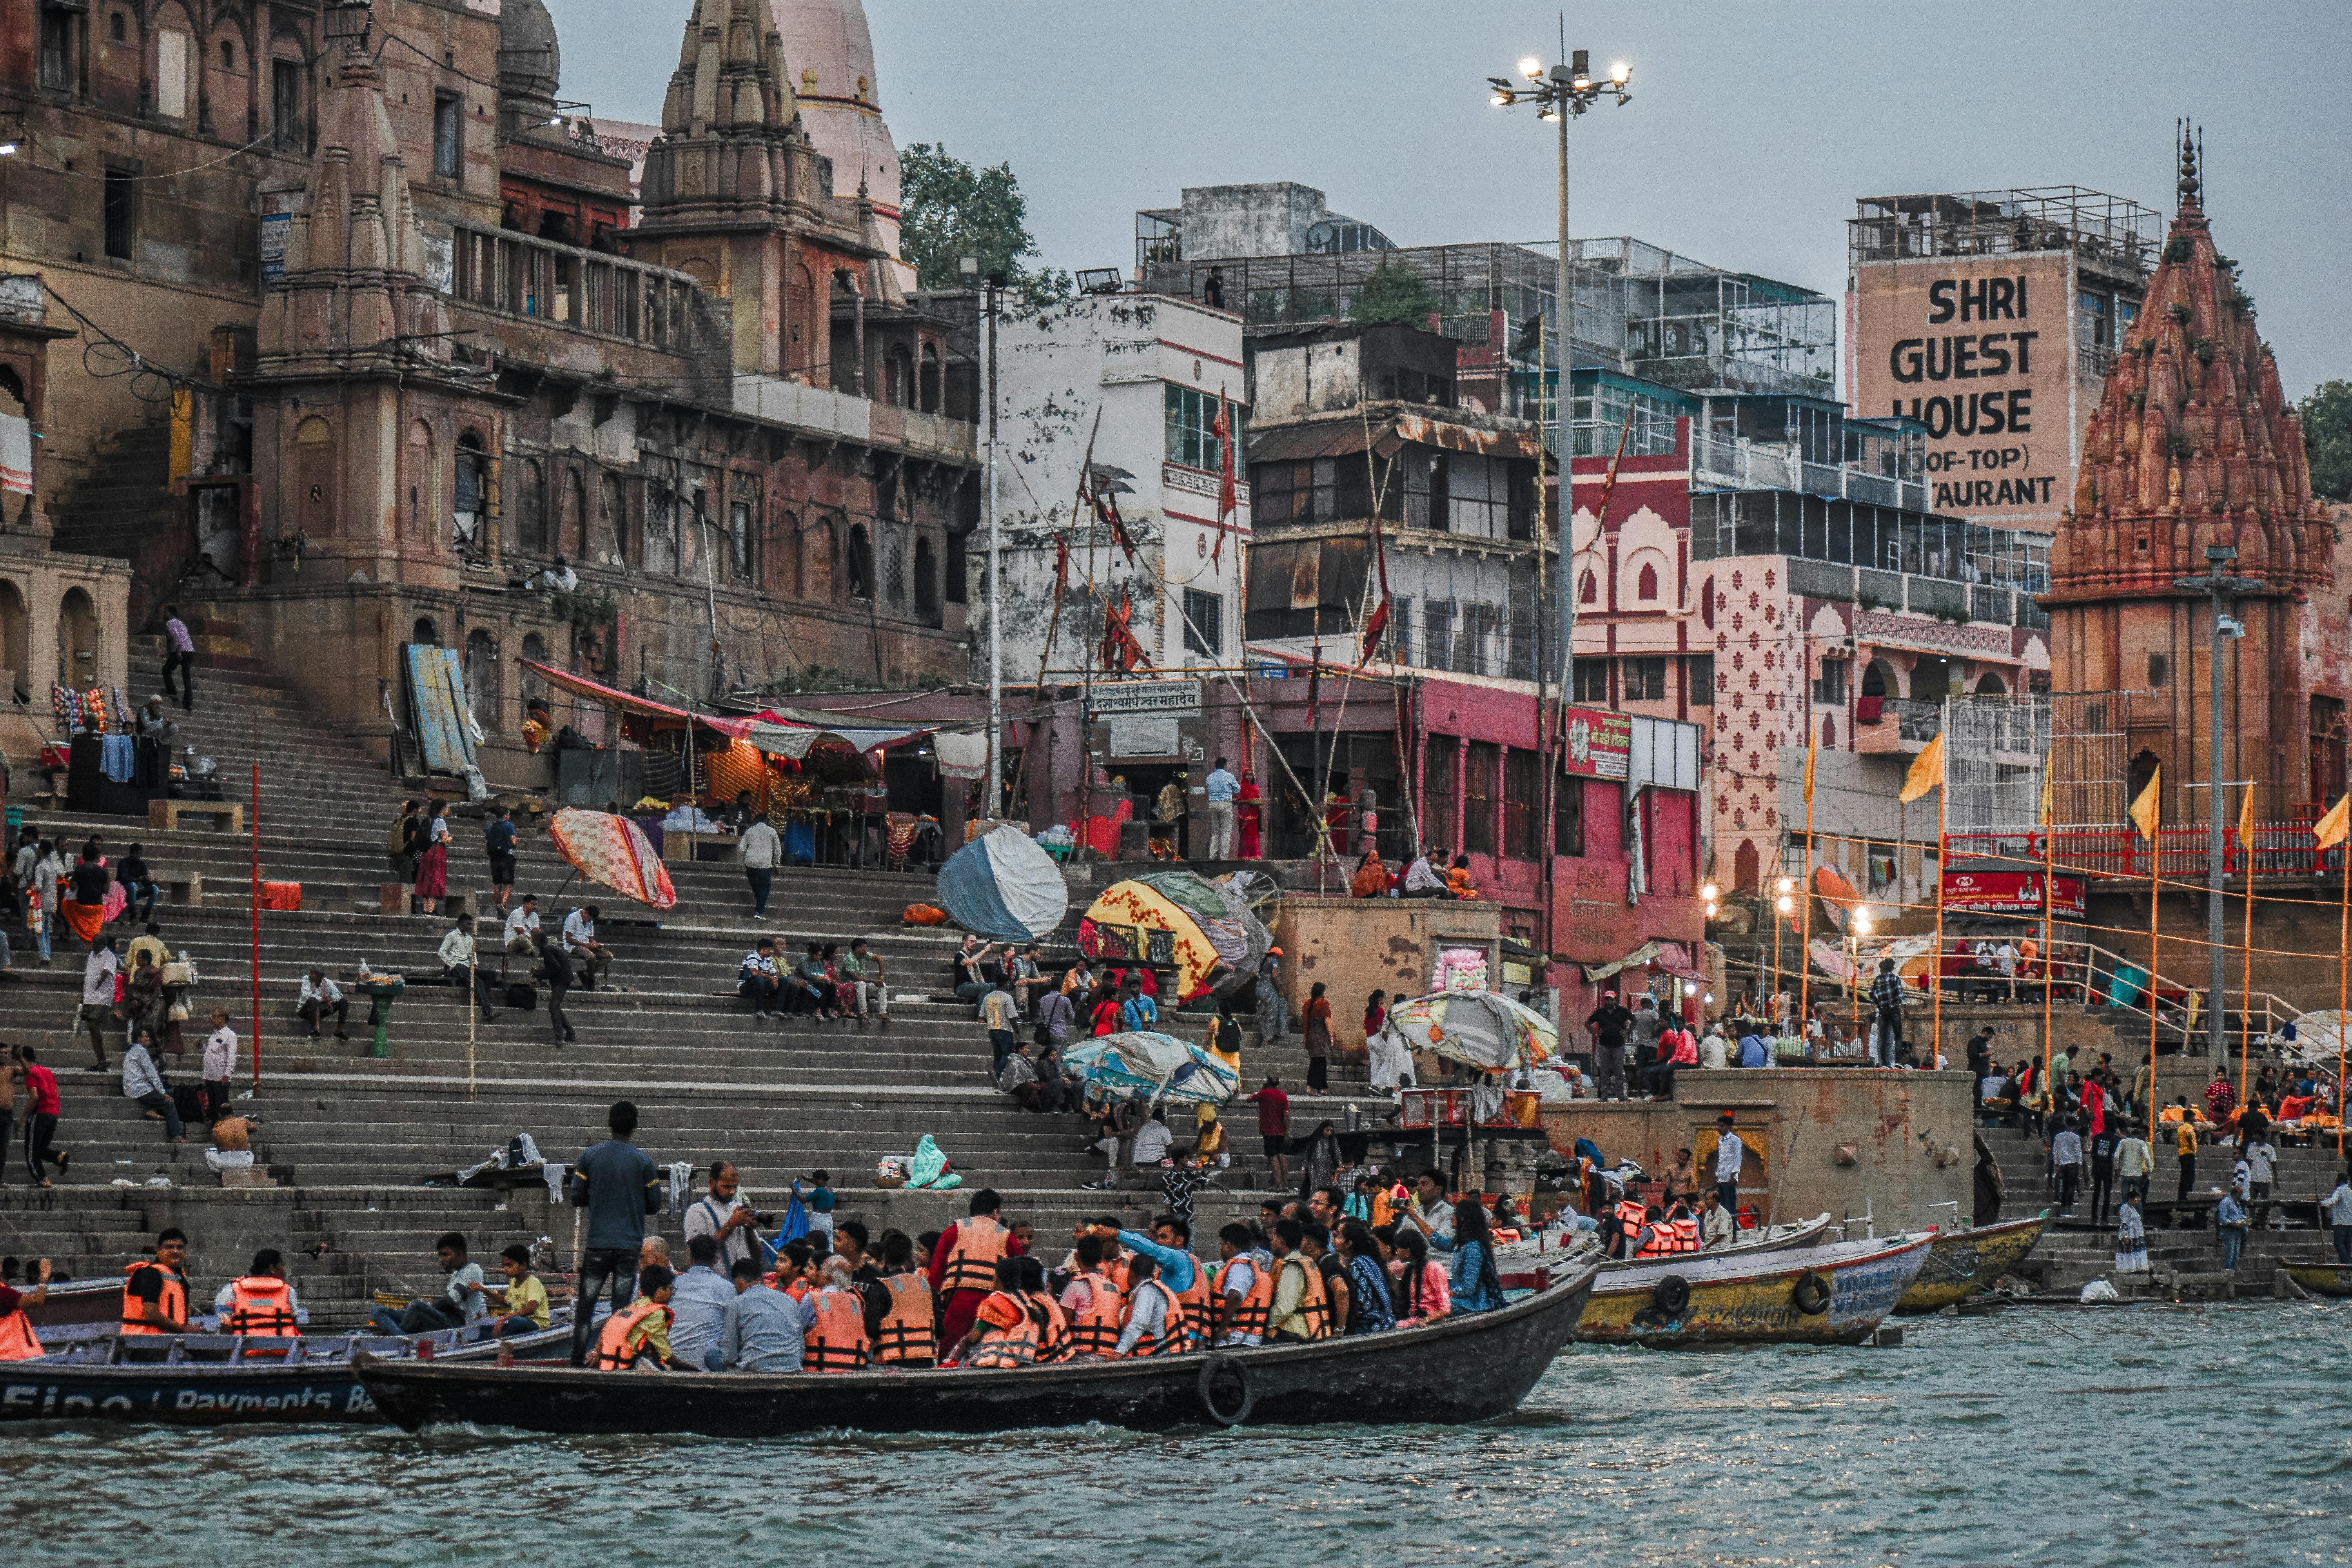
column 1227, row 499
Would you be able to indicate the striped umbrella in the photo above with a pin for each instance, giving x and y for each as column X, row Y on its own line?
column 615, row 851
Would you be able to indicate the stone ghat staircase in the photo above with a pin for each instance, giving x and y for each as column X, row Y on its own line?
column 354, row 1135
column 2184, row 1263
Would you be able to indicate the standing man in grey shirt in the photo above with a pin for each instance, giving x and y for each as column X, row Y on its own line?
column 1648, row 1024
column 764, row 1330
column 1222, row 788
column 617, row 1184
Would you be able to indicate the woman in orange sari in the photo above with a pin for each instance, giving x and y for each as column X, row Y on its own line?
column 1371, row 878
column 1248, row 812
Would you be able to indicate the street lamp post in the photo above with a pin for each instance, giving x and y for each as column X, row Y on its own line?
column 2218, row 587
column 1560, row 95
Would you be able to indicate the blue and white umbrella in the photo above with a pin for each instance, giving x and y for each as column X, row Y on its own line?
column 1163, row 1066
column 1004, row 887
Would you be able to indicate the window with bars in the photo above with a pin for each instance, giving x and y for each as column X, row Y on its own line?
column 894, row 571
column 1205, row 628
column 1522, row 805
column 448, row 135
column 1644, row 679
column 1191, row 429
column 1479, row 769
column 1592, row 680
column 1702, row 680
column 1399, row 633
column 1437, row 762
column 1567, row 814
column 1437, row 633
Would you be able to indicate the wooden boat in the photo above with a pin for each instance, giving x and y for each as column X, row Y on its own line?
column 1960, row 1263
column 1526, row 1265
column 210, row 1380
column 78, row 1309
column 1836, row 1294
column 2320, row 1276
column 1462, row 1369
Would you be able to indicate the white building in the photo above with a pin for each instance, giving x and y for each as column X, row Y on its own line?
column 1139, row 376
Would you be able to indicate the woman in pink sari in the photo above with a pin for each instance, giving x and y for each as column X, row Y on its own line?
column 1248, row 812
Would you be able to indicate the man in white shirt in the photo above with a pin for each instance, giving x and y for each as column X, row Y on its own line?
column 457, row 965
column 589, row 957
column 2067, row 1158
column 761, row 851
column 2337, row 1211
column 2004, row 957
column 1240, row 1275
column 180, row 655
column 1430, row 1213
column 2135, row 1162
column 98, row 972
column 142, row 1082
column 1715, row 1228
column 1221, row 787
column 1421, row 880
column 522, row 930
column 1730, row 1156
column 2260, row 1160
column 320, row 997
column 722, row 1215
column 220, row 1064
column 1152, row 1139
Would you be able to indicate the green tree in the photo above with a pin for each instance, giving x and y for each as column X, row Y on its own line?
column 951, row 210
column 2326, row 416
column 1393, row 293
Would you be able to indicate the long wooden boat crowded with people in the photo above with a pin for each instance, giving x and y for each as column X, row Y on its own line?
column 1460, row 1369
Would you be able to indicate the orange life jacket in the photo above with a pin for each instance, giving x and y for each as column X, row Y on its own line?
column 1314, row 1314
column 908, row 1330
column 1669, row 1237
column 1055, row 1341
column 613, row 1352
column 836, row 1341
column 1003, row 1347
column 1631, row 1214
column 1686, row 1231
column 260, row 1304
column 172, row 1304
column 1250, row 1317
column 1116, row 1269
column 972, row 1264
column 1200, row 1307
column 1174, row 1335
column 18, row 1342
column 1095, row 1330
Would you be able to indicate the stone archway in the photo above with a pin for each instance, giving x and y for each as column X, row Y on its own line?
column 78, row 664
column 1744, row 867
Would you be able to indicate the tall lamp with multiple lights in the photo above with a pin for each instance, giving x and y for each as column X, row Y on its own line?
column 1560, row 95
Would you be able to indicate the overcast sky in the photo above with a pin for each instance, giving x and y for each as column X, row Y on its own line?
column 1753, row 125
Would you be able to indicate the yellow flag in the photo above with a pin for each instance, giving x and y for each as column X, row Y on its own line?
column 1812, row 746
column 1927, row 773
column 2146, row 809
column 2049, row 792
column 2336, row 825
column 2246, row 822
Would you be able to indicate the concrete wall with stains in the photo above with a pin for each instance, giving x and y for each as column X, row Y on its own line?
column 1357, row 946
column 1096, row 370
column 1844, row 1140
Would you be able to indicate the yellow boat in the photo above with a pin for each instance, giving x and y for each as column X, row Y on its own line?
column 1832, row 1295
column 1962, row 1263
column 2321, row 1276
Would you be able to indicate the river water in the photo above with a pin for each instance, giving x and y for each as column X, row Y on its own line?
column 2140, row 1436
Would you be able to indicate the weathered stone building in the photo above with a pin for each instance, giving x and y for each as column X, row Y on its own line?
column 393, row 358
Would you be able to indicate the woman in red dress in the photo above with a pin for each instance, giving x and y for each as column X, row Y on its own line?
column 433, row 867
column 1247, row 812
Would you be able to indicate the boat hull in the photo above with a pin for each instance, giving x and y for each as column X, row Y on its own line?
column 1737, row 1302
column 1523, row 1267
column 213, row 1393
column 1462, row 1370
column 2319, row 1277
column 1963, row 1263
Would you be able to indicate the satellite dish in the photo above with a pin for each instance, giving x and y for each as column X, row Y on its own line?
column 1320, row 238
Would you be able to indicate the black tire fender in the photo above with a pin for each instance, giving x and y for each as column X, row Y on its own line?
column 1812, row 1294
column 1209, row 1367
column 1670, row 1296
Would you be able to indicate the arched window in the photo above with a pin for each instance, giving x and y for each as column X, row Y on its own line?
column 898, row 377
column 1991, row 684
column 929, row 392
column 1588, row 592
column 800, row 322
column 817, row 558
column 1828, row 734
column 16, row 639
column 534, row 651
column 482, row 677
column 78, row 665
column 861, row 563
column 425, row 632
column 530, row 533
column 314, row 477
column 606, row 539
column 1646, row 587
column 473, row 490
column 571, row 537
column 927, row 580
column 424, row 493
column 115, row 28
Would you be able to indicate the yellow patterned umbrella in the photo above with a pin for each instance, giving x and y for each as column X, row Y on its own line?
column 615, row 851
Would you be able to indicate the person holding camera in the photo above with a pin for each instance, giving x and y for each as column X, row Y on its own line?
column 722, row 1215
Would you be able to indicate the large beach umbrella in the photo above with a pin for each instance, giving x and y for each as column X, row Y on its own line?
column 614, row 851
column 1480, row 1029
column 1163, row 1066
column 1202, row 930
column 1005, row 887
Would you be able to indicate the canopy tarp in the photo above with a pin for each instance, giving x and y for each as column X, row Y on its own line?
column 1202, row 930
column 615, row 851
column 1162, row 1066
column 1594, row 973
column 1002, row 886
column 1837, row 895
column 581, row 686
column 781, row 730
column 1480, row 1029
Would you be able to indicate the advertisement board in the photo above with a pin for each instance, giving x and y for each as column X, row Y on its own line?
column 1981, row 350
column 1600, row 743
column 2010, row 893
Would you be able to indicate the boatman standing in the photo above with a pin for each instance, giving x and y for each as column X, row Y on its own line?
column 963, row 1265
column 1729, row 1154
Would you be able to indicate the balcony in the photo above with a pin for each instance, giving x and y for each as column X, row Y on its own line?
column 1903, row 729
column 1739, row 463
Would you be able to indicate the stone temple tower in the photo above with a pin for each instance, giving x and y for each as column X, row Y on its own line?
column 2194, row 444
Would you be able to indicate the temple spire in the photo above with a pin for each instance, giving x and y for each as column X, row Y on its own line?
column 2192, row 143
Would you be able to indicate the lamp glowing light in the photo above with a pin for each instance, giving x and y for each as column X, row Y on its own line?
column 1710, row 892
column 1531, row 69
column 1620, row 73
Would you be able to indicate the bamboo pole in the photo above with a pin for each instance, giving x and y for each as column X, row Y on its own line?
column 2155, row 841
column 1935, row 967
column 2343, row 970
column 2049, row 947
column 256, row 840
column 2246, row 971
column 1805, row 938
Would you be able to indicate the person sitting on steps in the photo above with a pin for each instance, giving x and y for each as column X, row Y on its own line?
column 320, row 996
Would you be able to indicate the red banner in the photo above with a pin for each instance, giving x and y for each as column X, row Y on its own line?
column 1600, row 743
column 2010, row 893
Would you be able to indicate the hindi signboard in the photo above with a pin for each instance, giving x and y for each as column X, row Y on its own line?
column 2011, row 893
